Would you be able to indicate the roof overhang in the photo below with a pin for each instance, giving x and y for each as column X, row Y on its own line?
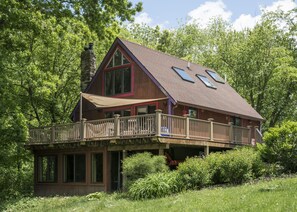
column 109, row 102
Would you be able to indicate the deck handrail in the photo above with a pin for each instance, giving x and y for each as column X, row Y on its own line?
column 158, row 124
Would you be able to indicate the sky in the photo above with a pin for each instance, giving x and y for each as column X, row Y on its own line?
column 241, row 14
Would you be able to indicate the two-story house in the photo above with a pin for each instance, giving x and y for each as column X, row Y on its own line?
column 138, row 100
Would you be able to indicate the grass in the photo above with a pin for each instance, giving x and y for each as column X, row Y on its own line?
column 274, row 195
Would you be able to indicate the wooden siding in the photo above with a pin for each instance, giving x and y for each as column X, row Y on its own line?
column 143, row 88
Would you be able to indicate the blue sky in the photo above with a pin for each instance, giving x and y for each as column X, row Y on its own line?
column 240, row 13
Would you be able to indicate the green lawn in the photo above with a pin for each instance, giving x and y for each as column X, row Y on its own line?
column 275, row 195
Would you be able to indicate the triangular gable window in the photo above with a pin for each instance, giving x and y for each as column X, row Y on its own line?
column 117, row 59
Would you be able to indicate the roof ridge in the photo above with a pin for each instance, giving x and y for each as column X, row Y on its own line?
column 167, row 54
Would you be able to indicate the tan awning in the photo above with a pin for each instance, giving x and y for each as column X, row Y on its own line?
column 107, row 102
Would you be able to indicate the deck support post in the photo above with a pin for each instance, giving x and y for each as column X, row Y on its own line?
column 82, row 129
column 116, row 125
column 124, row 176
column 206, row 150
column 158, row 122
column 53, row 133
column 211, row 128
column 161, row 151
column 231, row 132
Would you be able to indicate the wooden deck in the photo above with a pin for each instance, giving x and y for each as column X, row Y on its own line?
column 159, row 127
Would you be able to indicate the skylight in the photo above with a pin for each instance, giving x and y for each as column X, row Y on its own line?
column 182, row 74
column 206, row 81
column 215, row 76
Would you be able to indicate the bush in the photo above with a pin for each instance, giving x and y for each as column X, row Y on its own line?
column 235, row 166
column 280, row 146
column 273, row 170
column 155, row 186
column 140, row 165
column 193, row 173
column 216, row 173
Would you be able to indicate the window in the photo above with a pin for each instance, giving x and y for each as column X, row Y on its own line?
column 117, row 81
column 182, row 74
column 97, row 168
column 147, row 109
column 192, row 113
column 126, row 112
column 47, row 169
column 75, row 168
column 236, row 121
column 117, row 59
column 215, row 76
column 206, row 81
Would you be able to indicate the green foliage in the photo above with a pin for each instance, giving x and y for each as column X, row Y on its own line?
column 273, row 195
column 40, row 47
column 193, row 173
column 235, row 166
column 273, row 170
column 140, row 165
column 217, row 175
column 280, row 146
column 155, row 186
column 96, row 196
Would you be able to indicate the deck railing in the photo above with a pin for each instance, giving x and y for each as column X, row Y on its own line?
column 157, row 124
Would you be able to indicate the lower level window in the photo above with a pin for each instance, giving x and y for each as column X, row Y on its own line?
column 47, row 169
column 75, row 168
column 97, row 168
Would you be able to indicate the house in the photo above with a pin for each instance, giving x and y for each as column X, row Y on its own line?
column 138, row 100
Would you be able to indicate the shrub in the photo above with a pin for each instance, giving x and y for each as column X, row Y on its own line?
column 216, row 173
column 280, row 146
column 155, row 186
column 140, row 165
column 235, row 166
column 193, row 173
column 273, row 170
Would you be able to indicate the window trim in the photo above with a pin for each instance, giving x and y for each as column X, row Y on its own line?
column 209, row 86
column 107, row 69
column 112, row 57
column 103, row 168
column 209, row 73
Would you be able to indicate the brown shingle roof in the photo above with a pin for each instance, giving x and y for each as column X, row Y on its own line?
column 159, row 65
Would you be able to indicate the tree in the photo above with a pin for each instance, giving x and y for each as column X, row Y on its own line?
column 281, row 146
column 40, row 47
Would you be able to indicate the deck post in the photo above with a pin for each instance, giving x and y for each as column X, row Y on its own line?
column 53, row 133
column 187, row 119
column 231, row 132
column 82, row 129
column 206, row 150
column 211, row 128
column 116, row 125
column 158, row 122
column 161, row 151
column 249, row 134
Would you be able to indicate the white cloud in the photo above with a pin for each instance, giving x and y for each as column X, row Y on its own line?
column 249, row 21
column 143, row 18
column 284, row 5
column 245, row 22
column 205, row 12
